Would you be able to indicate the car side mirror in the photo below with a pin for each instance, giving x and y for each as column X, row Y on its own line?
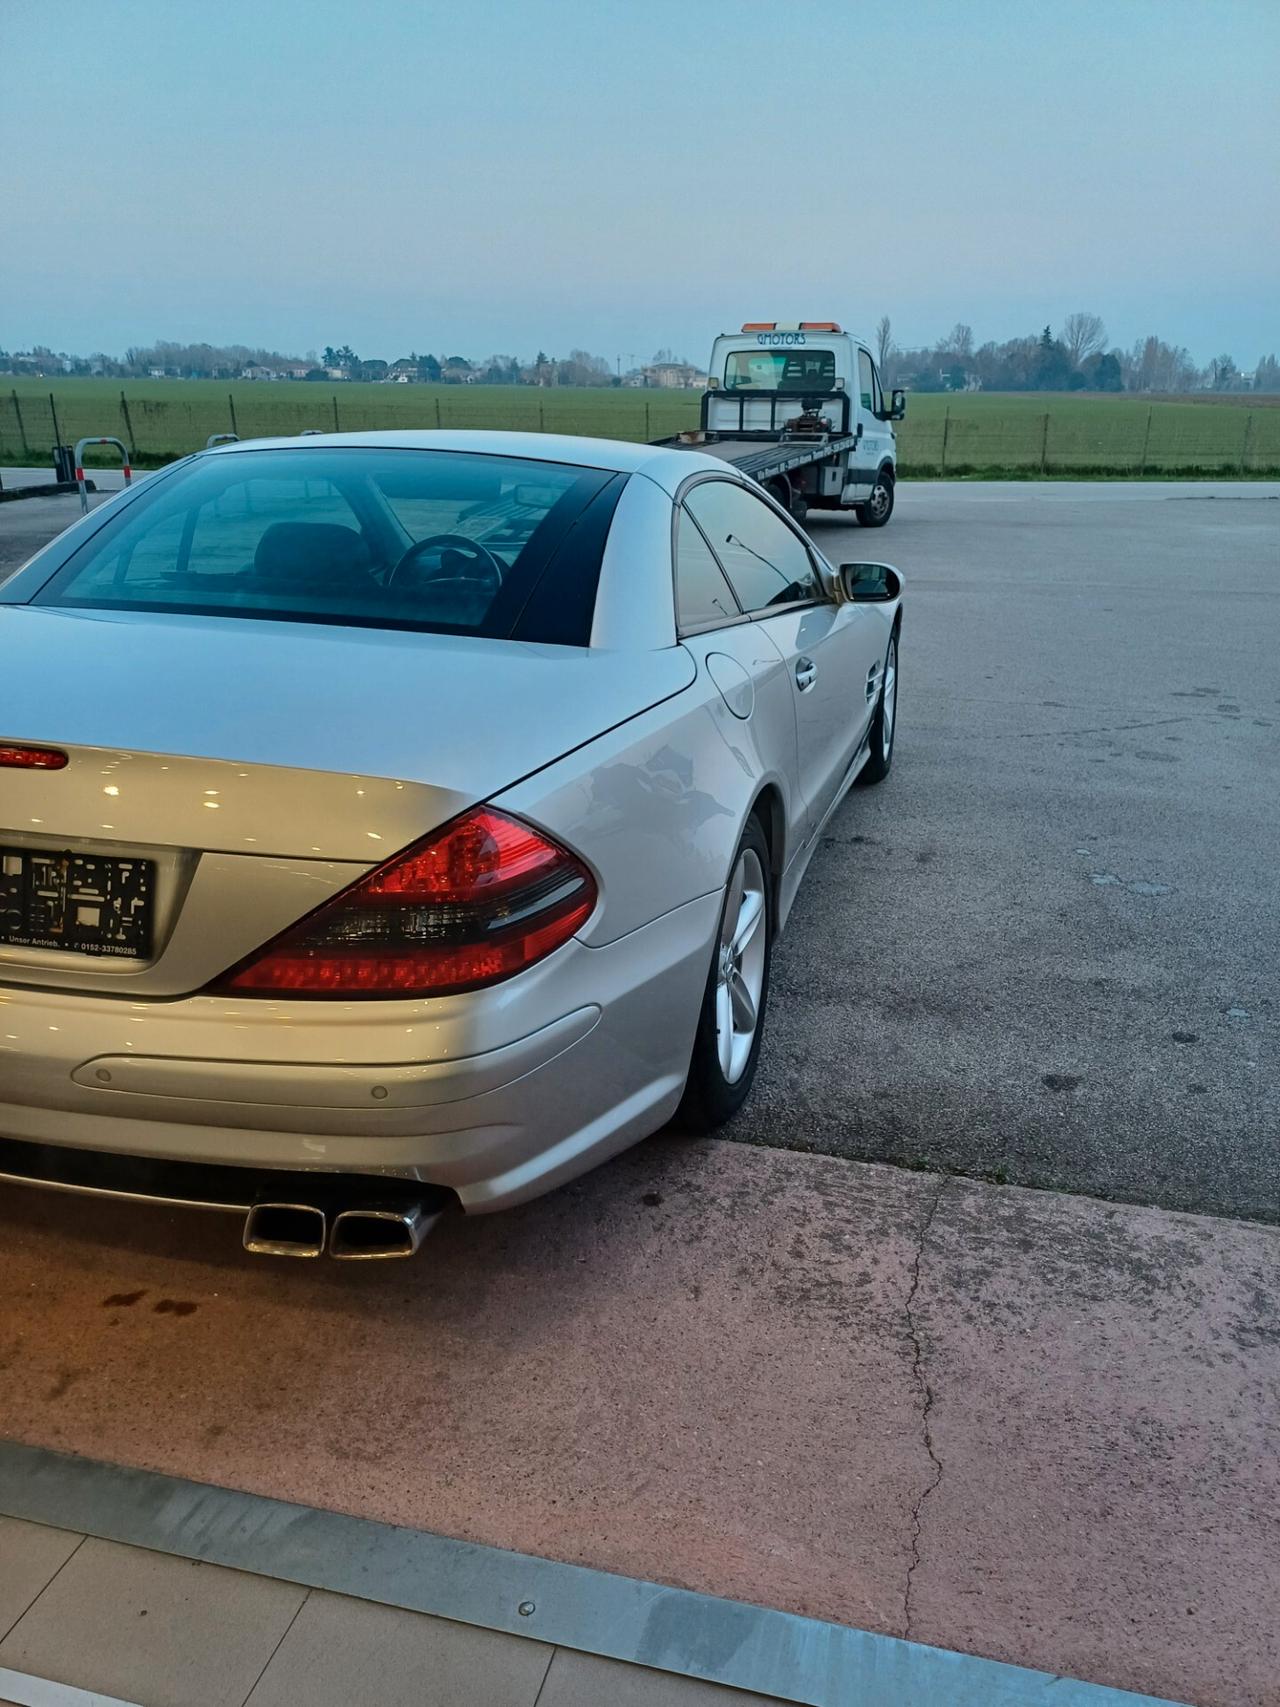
column 897, row 405
column 869, row 583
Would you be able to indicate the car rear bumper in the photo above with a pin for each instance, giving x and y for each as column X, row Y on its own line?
column 497, row 1096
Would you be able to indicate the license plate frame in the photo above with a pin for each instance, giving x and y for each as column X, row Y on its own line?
column 94, row 904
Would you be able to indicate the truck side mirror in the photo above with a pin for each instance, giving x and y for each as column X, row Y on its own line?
column 897, row 405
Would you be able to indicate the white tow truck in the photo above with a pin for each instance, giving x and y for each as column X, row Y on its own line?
column 798, row 406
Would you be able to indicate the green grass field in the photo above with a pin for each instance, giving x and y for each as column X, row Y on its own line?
column 975, row 433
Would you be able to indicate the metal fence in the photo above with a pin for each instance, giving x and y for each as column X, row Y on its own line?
column 1099, row 436
column 1103, row 436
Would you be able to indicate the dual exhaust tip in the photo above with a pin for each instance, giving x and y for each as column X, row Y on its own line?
column 363, row 1233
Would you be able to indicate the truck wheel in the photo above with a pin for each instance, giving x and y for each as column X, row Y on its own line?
column 790, row 497
column 879, row 506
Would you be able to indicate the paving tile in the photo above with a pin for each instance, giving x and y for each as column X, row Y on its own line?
column 584, row 1680
column 30, row 1557
column 148, row 1627
column 341, row 1651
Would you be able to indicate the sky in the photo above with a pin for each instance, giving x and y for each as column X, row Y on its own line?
column 507, row 175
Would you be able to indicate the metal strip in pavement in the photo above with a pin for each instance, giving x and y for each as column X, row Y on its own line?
column 20, row 1689
column 668, row 1629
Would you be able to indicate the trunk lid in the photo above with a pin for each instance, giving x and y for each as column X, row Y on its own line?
column 261, row 766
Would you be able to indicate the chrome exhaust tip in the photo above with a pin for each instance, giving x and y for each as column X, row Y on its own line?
column 285, row 1230
column 376, row 1232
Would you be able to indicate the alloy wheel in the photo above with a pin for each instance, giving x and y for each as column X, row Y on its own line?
column 740, row 965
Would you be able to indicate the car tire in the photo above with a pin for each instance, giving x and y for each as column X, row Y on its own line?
column 724, row 1062
column 789, row 498
column 884, row 725
column 879, row 506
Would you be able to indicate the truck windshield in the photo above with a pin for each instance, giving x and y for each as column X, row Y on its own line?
column 780, row 370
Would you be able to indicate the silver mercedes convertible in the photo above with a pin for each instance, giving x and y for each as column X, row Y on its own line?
column 403, row 821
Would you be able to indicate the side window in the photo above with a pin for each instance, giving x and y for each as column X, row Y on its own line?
column 866, row 380
column 767, row 564
column 877, row 395
column 703, row 596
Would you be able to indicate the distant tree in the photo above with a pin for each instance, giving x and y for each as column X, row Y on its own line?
column 1083, row 335
column 1266, row 376
column 884, row 343
column 958, row 342
column 1053, row 365
column 315, row 373
column 330, row 356
column 956, row 377
column 428, row 368
column 1223, row 373
column 1153, row 365
column 1103, row 372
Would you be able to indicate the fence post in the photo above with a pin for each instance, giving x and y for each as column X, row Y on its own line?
column 1244, row 449
column 231, row 406
column 57, row 436
column 647, row 433
column 1146, row 442
column 128, row 426
column 1044, row 444
column 542, row 423
column 946, row 432
column 336, row 427
column 437, row 410
column 22, row 431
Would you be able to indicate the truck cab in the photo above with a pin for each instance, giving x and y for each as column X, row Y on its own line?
column 783, row 383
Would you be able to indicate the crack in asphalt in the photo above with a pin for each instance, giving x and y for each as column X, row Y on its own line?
column 926, row 1405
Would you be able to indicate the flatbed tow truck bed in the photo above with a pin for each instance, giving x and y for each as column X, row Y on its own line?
column 762, row 460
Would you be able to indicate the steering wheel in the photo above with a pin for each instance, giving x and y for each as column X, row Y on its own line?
column 479, row 574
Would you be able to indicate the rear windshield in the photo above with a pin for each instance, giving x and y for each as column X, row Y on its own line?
column 439, row 540
column 780, row 370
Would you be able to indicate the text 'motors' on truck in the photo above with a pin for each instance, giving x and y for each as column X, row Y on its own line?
column 799, row 407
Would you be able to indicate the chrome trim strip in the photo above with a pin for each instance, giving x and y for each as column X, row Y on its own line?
column 23, row 1690
column 668, row 1629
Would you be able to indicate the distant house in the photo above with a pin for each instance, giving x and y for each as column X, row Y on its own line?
column 403, row 372
column 674, row 376
column 293, row 370
column 256, row 370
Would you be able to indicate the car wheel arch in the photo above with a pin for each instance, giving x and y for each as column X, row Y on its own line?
column 768, row 809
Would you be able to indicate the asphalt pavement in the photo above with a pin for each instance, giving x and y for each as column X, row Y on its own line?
column 1045, row 950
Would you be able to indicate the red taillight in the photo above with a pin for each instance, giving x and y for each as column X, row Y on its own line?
column 32, row 758
column 475, row 902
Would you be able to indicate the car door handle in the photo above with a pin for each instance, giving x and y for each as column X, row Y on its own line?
column 806, row 674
